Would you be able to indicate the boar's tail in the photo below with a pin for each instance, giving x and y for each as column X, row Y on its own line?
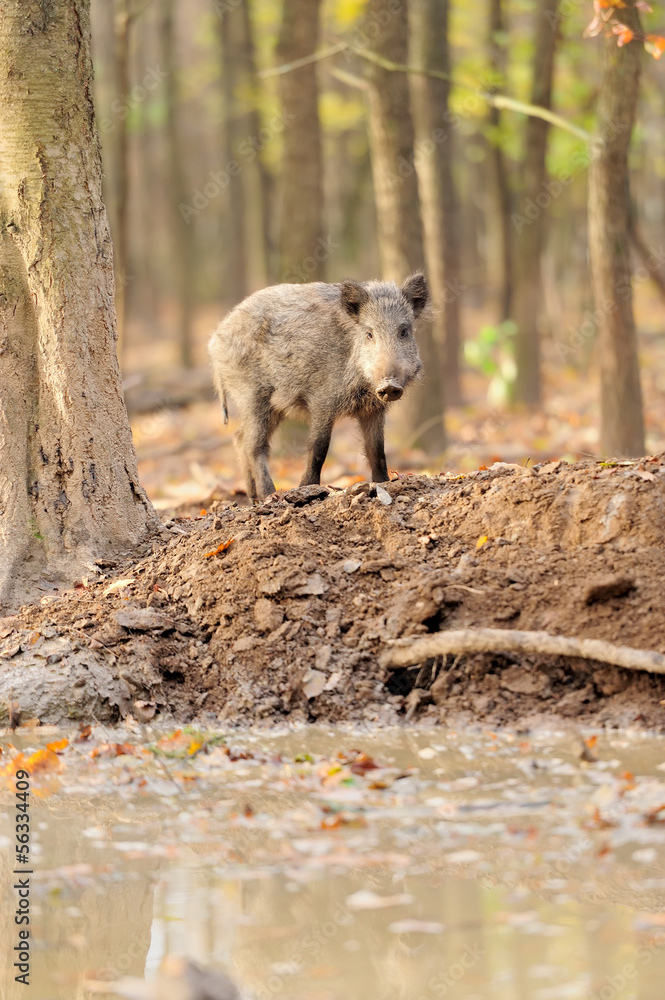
column 221, row 391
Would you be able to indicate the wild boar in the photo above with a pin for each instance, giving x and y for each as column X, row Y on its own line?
column 323, row 350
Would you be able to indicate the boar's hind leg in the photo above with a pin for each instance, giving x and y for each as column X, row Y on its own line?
column 254, row 445
column 371, row 426
column 319, row 443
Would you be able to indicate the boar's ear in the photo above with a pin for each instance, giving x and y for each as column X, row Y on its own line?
column 353, row 297
column 416, row 291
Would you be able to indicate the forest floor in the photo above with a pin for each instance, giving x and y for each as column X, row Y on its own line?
column 281, row 612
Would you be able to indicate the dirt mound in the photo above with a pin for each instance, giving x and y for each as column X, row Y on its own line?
column 291, row 617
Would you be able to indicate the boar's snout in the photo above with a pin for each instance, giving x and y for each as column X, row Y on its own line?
column 389, row 390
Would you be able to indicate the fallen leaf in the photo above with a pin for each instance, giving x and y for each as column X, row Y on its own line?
column 117, row 585
column 481, row 541
column 220, row 548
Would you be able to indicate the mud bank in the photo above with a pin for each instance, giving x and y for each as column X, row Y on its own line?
column 282, row 610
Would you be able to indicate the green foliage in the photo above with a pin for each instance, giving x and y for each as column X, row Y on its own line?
column 492, row 352
column 340, row 111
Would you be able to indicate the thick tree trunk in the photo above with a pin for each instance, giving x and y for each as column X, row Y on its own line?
column 622, row 424
column 400, row 236
column 529, row 242
column 500, row 200
column 438, row 196
column 122, row 26
column 69, row 490
column 182, row 241
column 302, row 249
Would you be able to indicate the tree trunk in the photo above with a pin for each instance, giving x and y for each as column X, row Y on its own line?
column 261, row 268
column 69, row 489
column 622, row 425
column 122, row 25
column 303, row 248
column 232, row 135
column 182, row 241
column 529, row 243
column 399, row 229
column 438, row 196
column 501, row 249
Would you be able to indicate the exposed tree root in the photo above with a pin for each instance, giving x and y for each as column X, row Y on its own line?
column 496, row 640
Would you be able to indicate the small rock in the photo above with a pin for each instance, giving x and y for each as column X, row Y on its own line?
column 607, row 588
column 521, row 681
column 244, row 644
column 332, row 681
column 611, row 680
column 142, row 619
column 323, row 655
column 366, row 489
column 314, row 585
column 313, row 683
column 11, row 650
column 351, row 565
column 306, row 494
column 144, row 711
column 383, row 495
column 267, row 615
column 506, row 614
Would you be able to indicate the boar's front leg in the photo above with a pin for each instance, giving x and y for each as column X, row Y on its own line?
column 371, row 425
column 319, row 442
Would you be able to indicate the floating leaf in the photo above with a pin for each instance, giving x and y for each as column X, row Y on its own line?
column 58, row 744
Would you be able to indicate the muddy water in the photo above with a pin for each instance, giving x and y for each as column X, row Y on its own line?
column 473, row 866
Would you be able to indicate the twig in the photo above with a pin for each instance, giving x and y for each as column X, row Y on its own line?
column 305, row 61
column 496, row 640
column 461, row 586
column 349, row 78
column 500, row 101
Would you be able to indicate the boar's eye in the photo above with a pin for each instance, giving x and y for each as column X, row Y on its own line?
column 369, row 334
column 404, row 332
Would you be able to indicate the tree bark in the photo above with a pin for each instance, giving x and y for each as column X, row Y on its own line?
column 122, row 29
column 302, row 247
column 399, row 229
column 232, row 135
column 529, row 243
column 622, row 423
column 438, row 195
column 500, row 194
column 182, row 241
column 261, row 266
column 69, row 489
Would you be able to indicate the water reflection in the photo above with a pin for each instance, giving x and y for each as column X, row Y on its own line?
column 480, row 876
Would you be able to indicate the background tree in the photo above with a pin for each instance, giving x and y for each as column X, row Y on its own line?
column 622, row 421
column 499, row 200
column 438, row 194
column 182, row 243
column 399, row 229
column 529, row 242
column 301, row 255
column 69, row 489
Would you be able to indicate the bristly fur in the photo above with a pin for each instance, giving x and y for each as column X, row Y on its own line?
column 325, row 350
